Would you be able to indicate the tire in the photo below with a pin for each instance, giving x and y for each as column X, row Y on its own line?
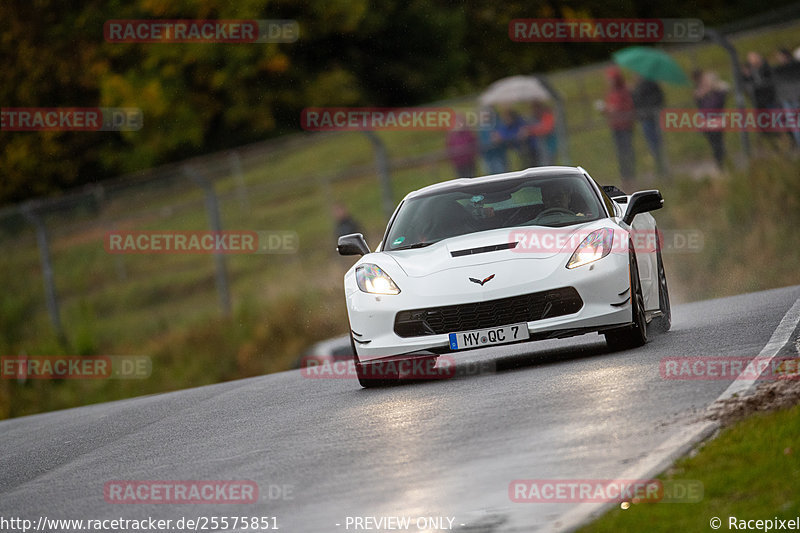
column 662, row 323
column 634, row 335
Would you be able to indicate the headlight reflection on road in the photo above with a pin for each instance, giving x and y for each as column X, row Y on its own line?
column 407, row 430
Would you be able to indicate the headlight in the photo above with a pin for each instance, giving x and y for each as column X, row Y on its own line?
column 372, row 279
column 595, row 246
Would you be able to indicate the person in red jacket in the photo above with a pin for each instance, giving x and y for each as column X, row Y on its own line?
column 620, row 114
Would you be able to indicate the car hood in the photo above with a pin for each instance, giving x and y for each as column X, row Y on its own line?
column 478, row 248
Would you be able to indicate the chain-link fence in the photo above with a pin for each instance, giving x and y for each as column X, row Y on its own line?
column 59, row 276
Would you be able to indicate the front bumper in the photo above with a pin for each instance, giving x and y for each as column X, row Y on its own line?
column 603, row 286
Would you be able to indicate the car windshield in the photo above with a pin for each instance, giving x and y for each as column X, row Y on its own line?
column 553, row 201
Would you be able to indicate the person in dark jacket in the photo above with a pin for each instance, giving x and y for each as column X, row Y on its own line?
column 786, row 73
column 648, row 99
column 758, row 76
column 709, row 94
column 345, row 224
column 760, row 81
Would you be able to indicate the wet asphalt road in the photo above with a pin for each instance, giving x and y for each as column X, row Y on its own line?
column 566, row 409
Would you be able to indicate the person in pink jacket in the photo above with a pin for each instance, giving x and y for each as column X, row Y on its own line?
column 620, row 114
column 462, row 150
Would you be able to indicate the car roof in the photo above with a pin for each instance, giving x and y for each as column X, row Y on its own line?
column 527, row 173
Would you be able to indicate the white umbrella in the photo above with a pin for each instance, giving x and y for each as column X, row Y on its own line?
column 515, row 89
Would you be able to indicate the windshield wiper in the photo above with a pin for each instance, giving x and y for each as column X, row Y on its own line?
column 415, row 245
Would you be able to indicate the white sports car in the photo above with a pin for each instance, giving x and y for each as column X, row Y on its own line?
column 540, row 253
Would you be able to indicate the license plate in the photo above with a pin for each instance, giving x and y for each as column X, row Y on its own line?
column 487, row 337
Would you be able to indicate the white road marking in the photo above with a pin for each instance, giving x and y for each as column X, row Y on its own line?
column 780, row 337
column 659, row 459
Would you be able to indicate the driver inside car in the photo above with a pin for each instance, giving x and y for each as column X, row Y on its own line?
column 558, row 195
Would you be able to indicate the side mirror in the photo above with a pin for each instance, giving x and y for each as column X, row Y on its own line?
column 352, row 244
column 642, row 202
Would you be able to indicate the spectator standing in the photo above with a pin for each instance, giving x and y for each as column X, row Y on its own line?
column 619, row 111
column 345, row 224
column 709, row 94
column 492, row 147
column 787, row 80
column 648, row 99
column 508, row 128
column 462, row 149
column 758, row 76
column 543, row 128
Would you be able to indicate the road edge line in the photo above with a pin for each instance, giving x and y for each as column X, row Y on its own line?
column 744, row 383
column 653, row 464
column 657, row 461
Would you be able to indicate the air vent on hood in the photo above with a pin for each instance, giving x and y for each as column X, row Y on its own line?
column 484, row 249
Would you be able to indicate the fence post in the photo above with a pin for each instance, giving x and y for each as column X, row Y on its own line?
column 327, row 198
column 119, row 262
column 382, row 162
column 212, row 209
column 238, row 175
column 36, row 221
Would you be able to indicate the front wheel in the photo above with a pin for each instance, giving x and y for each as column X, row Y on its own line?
column 663, row 322
column 634, row 335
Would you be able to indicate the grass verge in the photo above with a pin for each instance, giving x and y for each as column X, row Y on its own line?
column 750, row 472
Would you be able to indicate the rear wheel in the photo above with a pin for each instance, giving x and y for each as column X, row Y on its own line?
column 636, row 334
column 663, row 322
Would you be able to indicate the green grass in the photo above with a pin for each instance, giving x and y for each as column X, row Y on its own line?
column 750, row 471
column 748, row 221
column 166, row 306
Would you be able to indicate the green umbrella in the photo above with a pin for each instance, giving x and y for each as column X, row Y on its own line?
column 651, row 64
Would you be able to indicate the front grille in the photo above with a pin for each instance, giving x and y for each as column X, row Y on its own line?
column 489, row 314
